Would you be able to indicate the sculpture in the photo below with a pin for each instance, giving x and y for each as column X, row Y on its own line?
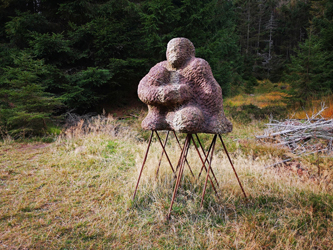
column 182, row 94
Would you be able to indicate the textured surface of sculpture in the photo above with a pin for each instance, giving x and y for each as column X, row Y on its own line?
column 182, row 94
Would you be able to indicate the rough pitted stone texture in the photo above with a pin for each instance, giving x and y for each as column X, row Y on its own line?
column 182, row 94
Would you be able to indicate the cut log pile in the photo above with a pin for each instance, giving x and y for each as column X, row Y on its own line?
column 302, row 136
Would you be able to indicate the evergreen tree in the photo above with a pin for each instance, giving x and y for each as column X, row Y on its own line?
column 210, row 25
column 269, row 31
column 82, row 88
column 307, row 72
column 323, row 22
column 25, row 106
column 310, row 72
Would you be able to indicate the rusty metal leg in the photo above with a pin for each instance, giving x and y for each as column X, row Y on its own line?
column 159, row 139
column 182, row 149
column 203, row 163
column 209, row 167
column 181, row 169
column 210, row 179
column 232, row 165
column 143, row 164
column 203, row 151
column 159, row 164
column 206, row 159
column 180, row 159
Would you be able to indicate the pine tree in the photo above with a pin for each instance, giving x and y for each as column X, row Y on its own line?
column 307, row 72
column 25, row 106
column 323, row 22
column 82, row 88
column 310, row 72
column 215, row 39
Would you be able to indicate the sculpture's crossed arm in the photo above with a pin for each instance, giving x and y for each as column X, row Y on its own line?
column 158, row 88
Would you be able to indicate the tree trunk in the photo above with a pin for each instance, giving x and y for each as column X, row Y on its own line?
column 248, row 28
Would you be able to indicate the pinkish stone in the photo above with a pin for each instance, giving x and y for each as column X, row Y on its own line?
column 182, row 94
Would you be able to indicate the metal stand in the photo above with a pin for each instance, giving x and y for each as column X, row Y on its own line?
column 183, row 159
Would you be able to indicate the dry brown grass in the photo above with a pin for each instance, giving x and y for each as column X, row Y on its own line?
column 76, row 194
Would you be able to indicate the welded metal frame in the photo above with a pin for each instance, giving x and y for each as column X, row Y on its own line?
column 183, row 159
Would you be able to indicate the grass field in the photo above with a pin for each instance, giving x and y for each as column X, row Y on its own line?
column 76, row 193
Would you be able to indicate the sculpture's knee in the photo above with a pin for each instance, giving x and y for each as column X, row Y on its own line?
column 155, row 120
column 188, row 119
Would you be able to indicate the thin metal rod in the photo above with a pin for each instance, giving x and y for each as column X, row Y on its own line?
column 206, row 159
column 205, row 166
column 182, row 149
column 159, row 164
column 232, row 165
column 159, row 139
column 209, row 167
column 184, row 158
column 203, row 151
column 180, row 158
column 143, row 164
column 181, row 169
column 181, row 163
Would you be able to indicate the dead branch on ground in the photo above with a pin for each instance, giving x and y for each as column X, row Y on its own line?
column 301, row 136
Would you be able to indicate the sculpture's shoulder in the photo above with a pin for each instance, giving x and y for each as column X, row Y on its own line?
column 199, row 62
column 158, row 75
column 161, row 66
column 199, row 67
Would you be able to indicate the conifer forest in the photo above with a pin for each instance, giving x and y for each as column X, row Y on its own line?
column 83, row 55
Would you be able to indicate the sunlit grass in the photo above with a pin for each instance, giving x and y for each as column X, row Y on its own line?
column 260, row 100
column 265, row 94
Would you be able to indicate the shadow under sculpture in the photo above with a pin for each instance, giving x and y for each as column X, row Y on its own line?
column 183, row 96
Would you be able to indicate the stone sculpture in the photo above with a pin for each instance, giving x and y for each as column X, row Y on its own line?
column 182, row 94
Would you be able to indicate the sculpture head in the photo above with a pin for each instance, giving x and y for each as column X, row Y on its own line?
column 179, row 50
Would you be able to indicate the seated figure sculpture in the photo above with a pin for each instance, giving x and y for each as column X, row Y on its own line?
column 182, row 94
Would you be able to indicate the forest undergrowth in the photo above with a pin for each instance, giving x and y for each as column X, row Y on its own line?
column 76, row 193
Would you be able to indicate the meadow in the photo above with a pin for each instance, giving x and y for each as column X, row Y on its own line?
column 76, row 193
